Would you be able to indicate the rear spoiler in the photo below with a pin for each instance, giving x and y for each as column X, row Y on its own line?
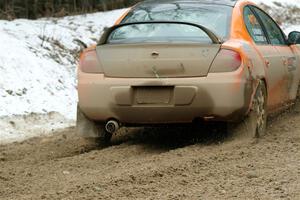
column 215, row 39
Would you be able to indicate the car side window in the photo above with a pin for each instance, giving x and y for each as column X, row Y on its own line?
column 274, row 32
column 254, row 28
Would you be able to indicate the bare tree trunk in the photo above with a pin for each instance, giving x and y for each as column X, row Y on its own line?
column 75, row 6
column 104, row 5
column 35, row 9
column 9, row 9
column 26, row 8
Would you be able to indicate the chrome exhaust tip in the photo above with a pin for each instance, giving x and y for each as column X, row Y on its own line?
column 112, row 126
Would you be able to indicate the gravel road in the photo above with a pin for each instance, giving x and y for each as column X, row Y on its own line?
column 156, row 164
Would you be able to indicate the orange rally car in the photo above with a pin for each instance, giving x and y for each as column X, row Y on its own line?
column 180, row 61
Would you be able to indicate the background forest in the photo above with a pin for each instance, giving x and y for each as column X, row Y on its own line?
column 33, row 9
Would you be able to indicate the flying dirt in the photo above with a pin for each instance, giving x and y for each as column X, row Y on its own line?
column 156, row 164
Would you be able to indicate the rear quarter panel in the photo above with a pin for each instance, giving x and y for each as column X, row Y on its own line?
column 240, row 39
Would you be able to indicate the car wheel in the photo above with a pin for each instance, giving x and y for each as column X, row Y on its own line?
column 259, row 111
column 255, row 124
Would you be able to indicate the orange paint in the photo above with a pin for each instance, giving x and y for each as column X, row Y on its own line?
column 238, row 28
column 122, row 17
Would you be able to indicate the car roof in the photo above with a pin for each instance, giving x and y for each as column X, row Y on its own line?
column 215, row 2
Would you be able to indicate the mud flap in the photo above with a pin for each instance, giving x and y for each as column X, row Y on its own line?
column 87, row 128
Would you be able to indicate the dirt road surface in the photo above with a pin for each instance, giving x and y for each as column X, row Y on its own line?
column 148, row 164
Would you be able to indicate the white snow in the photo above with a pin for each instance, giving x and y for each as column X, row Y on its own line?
column 291, row 28
column 20, row 127
column 38, row 70
column 282, row 2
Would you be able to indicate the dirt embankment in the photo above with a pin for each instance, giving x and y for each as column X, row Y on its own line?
column 160, row 164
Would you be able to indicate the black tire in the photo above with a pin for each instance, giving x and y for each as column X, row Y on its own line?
column 259, row 110
column 255, row 124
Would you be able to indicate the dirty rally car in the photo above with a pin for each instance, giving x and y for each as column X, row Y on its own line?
column 179, row 61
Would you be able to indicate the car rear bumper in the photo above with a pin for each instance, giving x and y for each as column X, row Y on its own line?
column 219, row 97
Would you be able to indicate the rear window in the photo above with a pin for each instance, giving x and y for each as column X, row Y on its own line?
column 217, row 18
column 158, row 32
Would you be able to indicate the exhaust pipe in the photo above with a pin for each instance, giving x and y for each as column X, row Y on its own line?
column 112, row 126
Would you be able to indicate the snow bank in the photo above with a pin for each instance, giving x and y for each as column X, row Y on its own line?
column 38, row 69
column 20, row 127
column 38, row 62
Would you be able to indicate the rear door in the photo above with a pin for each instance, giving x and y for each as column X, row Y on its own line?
column 275, row 73
column 288, row 57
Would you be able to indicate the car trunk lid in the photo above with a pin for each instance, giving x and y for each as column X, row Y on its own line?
column 157, row 49
column 157, row 60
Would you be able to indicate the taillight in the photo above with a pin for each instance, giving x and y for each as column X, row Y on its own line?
column 89, row 62
column 226, row 61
